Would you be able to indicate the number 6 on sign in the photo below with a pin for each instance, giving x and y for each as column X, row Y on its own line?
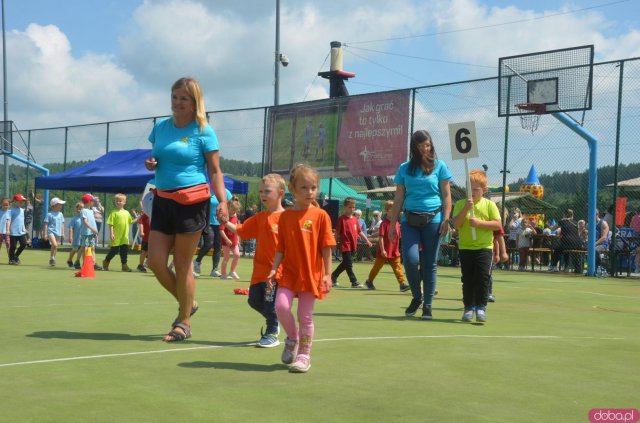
column 464, row 146
column 463, row 140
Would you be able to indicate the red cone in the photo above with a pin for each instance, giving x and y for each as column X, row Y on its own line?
column 87, row 270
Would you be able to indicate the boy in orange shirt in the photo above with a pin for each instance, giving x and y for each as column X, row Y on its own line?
column 304, row 249
column 264, row 228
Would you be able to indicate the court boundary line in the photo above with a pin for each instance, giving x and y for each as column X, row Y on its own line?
column 248, row 344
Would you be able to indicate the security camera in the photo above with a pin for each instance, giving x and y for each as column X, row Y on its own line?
column 284, row 60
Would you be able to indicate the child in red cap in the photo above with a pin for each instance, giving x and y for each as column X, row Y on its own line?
column 17, row 230
column 89, row 232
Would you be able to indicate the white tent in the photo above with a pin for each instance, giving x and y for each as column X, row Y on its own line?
column 632, row 184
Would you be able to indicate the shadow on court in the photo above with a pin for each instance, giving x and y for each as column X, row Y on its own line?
column 242, row 367
column 106, row 336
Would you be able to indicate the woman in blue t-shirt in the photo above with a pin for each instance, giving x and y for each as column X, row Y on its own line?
column 423, row 192
column 185, row 149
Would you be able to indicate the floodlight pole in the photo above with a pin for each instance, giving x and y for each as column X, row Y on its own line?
column 4, row 91
column 276, row 90
column 592, row 142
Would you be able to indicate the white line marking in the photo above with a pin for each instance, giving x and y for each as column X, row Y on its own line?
column 92, row 305
column 365, row 338
column 609, row 295
column 91, row 357
column 631, row 297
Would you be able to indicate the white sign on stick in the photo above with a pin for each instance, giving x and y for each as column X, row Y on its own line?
column 464, row 146
column 463, row 138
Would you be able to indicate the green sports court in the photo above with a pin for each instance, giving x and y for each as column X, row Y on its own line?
column 80, row 350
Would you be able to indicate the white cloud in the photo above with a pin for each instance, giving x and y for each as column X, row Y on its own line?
column 233, row 57
column 531, row 34
column 49, row 87
column 625, row 46
column 229, row 47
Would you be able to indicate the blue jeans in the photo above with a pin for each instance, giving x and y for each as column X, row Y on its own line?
column 265, row 306
column 425, row 262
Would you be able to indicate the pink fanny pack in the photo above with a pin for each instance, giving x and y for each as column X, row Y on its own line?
column 187, row 196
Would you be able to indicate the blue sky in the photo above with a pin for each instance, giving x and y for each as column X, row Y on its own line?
column 84, row 61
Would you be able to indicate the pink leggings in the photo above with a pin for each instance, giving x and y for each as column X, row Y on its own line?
column 284, row 303
column 226, row 252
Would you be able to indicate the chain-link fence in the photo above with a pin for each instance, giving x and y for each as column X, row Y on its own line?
column 509, row 152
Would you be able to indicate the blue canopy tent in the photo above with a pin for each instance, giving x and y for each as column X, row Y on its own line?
column 116, row 171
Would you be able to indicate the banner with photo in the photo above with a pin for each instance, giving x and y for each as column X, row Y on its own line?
column 305, row 132
column 349, row 136
column 374, row 133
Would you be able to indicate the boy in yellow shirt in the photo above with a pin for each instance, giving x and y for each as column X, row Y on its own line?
column 476, row 254
column 119, row 222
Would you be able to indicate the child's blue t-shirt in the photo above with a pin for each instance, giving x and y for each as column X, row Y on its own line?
column 4, row 215
column 54, row 221
column 180, row 153
column 213, row 218
column 421, row 191
column 87, row 215
column 75, row 224
column 17, row 222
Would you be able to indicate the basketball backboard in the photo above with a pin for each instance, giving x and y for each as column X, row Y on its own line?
column 559, row 79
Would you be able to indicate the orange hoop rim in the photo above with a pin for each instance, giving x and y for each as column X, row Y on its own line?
column 537, row 108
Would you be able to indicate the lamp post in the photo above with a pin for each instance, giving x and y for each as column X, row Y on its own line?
column 276, row 93
column 4, row 90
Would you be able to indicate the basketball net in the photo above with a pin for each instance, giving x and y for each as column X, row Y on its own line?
column 530, row 121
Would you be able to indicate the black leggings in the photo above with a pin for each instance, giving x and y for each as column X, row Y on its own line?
column 13, row 243
column 122, row 249
column 476, row 276
column 575, row 259
column 211, row 239
column 345, row 265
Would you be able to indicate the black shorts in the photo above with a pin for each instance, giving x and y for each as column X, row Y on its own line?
column 144, row 246
column 172, row 218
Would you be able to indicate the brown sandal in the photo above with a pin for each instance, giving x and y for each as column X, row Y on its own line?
column 176, row 335
column 193, row 311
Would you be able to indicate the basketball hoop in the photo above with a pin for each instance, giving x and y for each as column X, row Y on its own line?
column 530, row 121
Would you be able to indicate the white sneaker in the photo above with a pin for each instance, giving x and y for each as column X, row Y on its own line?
column 215, row 273
column 481, row 316
column 467, row 316
column 301, row 365
column 224, row 276
column 196, row 268
column 233, row 275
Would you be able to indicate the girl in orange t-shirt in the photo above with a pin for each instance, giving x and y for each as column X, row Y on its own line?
column 264, row 228
column 230, row 244
column 304, row 249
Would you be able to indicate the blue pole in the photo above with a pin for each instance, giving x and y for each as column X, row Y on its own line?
column 44, row 170
column 592, row 142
